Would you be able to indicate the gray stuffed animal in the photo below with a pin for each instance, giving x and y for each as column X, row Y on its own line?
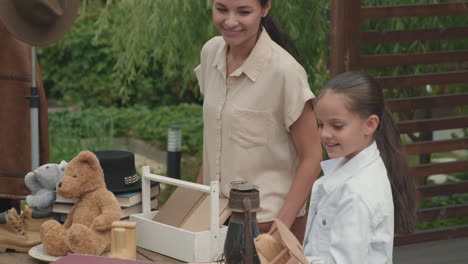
column 42, row 183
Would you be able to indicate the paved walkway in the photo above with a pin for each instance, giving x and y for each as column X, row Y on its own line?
column 145, row 154
column 437, row 252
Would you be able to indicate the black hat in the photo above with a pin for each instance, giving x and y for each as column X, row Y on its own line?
column 119, row 170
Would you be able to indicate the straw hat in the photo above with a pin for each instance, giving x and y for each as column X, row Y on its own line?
column 38, row 22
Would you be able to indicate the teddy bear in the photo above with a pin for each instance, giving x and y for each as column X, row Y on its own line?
column 87, row 229
column 42, row 183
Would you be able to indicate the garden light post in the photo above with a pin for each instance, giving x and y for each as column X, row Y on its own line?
column 174, row 144
column 34, row 112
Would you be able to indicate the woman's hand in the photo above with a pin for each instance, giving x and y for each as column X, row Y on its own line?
column 306, row 140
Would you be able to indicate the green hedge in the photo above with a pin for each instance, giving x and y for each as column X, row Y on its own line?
column 95, row 128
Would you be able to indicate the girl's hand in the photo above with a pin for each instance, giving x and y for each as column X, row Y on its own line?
column 274, row 232
column 292, row 260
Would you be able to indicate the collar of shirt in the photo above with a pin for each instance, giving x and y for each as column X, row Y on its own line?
column 252, row 66
column 336, row 175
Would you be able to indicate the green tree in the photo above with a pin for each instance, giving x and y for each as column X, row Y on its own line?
column 171, row 33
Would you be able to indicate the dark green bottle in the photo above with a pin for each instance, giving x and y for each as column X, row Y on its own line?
column 239, row 247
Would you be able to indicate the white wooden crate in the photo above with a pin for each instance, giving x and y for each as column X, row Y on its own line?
column 205, row 246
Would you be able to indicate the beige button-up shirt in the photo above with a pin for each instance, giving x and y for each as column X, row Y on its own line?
column 247, row 117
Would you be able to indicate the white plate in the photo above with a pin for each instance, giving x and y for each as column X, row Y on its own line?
column 38, row 252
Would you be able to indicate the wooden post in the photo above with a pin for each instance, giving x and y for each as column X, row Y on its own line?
column 337, row 37
column 353, row 35
column 345, row 36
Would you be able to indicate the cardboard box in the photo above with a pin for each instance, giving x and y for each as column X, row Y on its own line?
column 179, row 206
column 198, row 218
column 190, row 210
column 177, row 242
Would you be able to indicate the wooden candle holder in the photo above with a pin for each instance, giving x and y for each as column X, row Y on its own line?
column 123, row 240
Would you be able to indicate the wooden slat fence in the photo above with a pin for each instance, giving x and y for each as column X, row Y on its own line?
column 417, row 114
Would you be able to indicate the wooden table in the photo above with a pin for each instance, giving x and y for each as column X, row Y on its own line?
column 24, row 258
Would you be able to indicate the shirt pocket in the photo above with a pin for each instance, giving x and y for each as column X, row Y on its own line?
column 324, row 220
column 251, row 128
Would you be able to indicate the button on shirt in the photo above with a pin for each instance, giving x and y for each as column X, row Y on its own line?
column 351, row 212
column 247, row 116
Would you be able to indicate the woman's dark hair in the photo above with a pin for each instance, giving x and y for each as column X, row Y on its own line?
column 366, row 99
column 277, row 34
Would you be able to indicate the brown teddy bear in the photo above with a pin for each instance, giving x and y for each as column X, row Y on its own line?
column 88, row 226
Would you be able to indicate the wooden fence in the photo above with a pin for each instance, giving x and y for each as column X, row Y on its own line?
column 418, row 116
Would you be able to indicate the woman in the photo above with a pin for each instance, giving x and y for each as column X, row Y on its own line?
column 259, row 124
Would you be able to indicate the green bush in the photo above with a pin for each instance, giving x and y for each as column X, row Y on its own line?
column 144, row 52
column 79, row 68
column 95, row 128
column 72, row 132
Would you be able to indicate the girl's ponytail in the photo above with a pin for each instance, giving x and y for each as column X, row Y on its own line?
column 395, row 160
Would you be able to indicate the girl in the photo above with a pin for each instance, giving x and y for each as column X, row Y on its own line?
column 257, row 113
column 366, row 191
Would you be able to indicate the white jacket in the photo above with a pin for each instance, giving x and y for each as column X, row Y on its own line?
column 351, row 212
